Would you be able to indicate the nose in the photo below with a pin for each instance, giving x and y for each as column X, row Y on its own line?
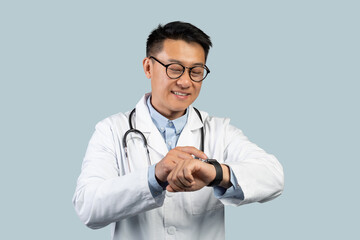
column 184, row 81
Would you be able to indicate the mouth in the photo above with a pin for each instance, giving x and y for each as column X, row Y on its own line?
column 181, row 94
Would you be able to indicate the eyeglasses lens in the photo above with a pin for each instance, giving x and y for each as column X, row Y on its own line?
column 176, row 70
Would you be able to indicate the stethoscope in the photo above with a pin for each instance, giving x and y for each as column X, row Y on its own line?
column 134, row 130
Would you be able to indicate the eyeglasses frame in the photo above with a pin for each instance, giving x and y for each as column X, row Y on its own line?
column 190, row 68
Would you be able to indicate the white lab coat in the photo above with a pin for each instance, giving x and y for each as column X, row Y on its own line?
column 110, row 191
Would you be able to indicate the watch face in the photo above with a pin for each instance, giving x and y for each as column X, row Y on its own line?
column 208, row 160
column 211, row 160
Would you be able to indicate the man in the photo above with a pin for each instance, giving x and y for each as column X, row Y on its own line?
column 195, row 163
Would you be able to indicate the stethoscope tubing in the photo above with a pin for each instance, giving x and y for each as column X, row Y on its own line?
column 134, row 130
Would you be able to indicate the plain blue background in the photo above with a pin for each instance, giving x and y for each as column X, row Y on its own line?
column 285, row 72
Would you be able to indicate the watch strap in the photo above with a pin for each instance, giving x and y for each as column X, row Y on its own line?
column 219, row 172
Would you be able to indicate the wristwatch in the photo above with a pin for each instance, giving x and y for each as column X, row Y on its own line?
column 218, row 169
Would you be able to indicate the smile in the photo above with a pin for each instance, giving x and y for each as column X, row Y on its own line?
column 180, row 94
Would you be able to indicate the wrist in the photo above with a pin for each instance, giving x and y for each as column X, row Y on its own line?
column 162, row 183
column 218, row 172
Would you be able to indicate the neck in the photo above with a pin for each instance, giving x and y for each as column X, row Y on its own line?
column 171, row 115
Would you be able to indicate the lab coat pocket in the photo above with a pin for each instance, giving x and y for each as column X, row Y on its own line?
column 204, row 200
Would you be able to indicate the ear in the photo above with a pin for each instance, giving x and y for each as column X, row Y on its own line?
column 147, row 67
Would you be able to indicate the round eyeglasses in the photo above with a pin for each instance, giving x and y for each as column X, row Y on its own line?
column 176, row 70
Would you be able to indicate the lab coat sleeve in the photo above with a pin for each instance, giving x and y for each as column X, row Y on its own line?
column 259, row 174
column 103, row 194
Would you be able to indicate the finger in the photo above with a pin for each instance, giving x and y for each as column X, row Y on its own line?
column 178, row 175
column 175, row 155
column 184, row 181
column 169, row 188
column 193, row 151
column 176, row 179
column 184, row 174
column 174, row 187
column 171, row 180
column 184, row 184
column 185, row 166
column 188, row 175
column 182, row 155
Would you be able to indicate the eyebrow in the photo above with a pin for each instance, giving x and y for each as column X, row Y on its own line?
column 177, row 61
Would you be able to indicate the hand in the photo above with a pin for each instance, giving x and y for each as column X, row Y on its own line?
column 173, row 157
column 190, row 175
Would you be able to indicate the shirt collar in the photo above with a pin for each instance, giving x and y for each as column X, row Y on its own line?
column 161, row 122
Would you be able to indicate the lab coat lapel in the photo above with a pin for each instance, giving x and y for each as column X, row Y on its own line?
column 144, row 123
column 190, row 135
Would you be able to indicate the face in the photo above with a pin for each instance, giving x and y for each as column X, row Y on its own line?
column 171, row 97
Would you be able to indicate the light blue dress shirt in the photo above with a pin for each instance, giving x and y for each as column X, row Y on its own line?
column 170, row 131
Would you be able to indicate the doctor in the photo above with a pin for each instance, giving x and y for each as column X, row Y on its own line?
column 195, row 163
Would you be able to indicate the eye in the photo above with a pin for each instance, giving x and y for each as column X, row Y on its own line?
column 197, row 71
column 175, row 68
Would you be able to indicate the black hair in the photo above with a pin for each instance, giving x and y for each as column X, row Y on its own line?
column 177, row 31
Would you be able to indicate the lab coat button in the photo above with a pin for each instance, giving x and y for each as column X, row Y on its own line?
column 171, row 230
